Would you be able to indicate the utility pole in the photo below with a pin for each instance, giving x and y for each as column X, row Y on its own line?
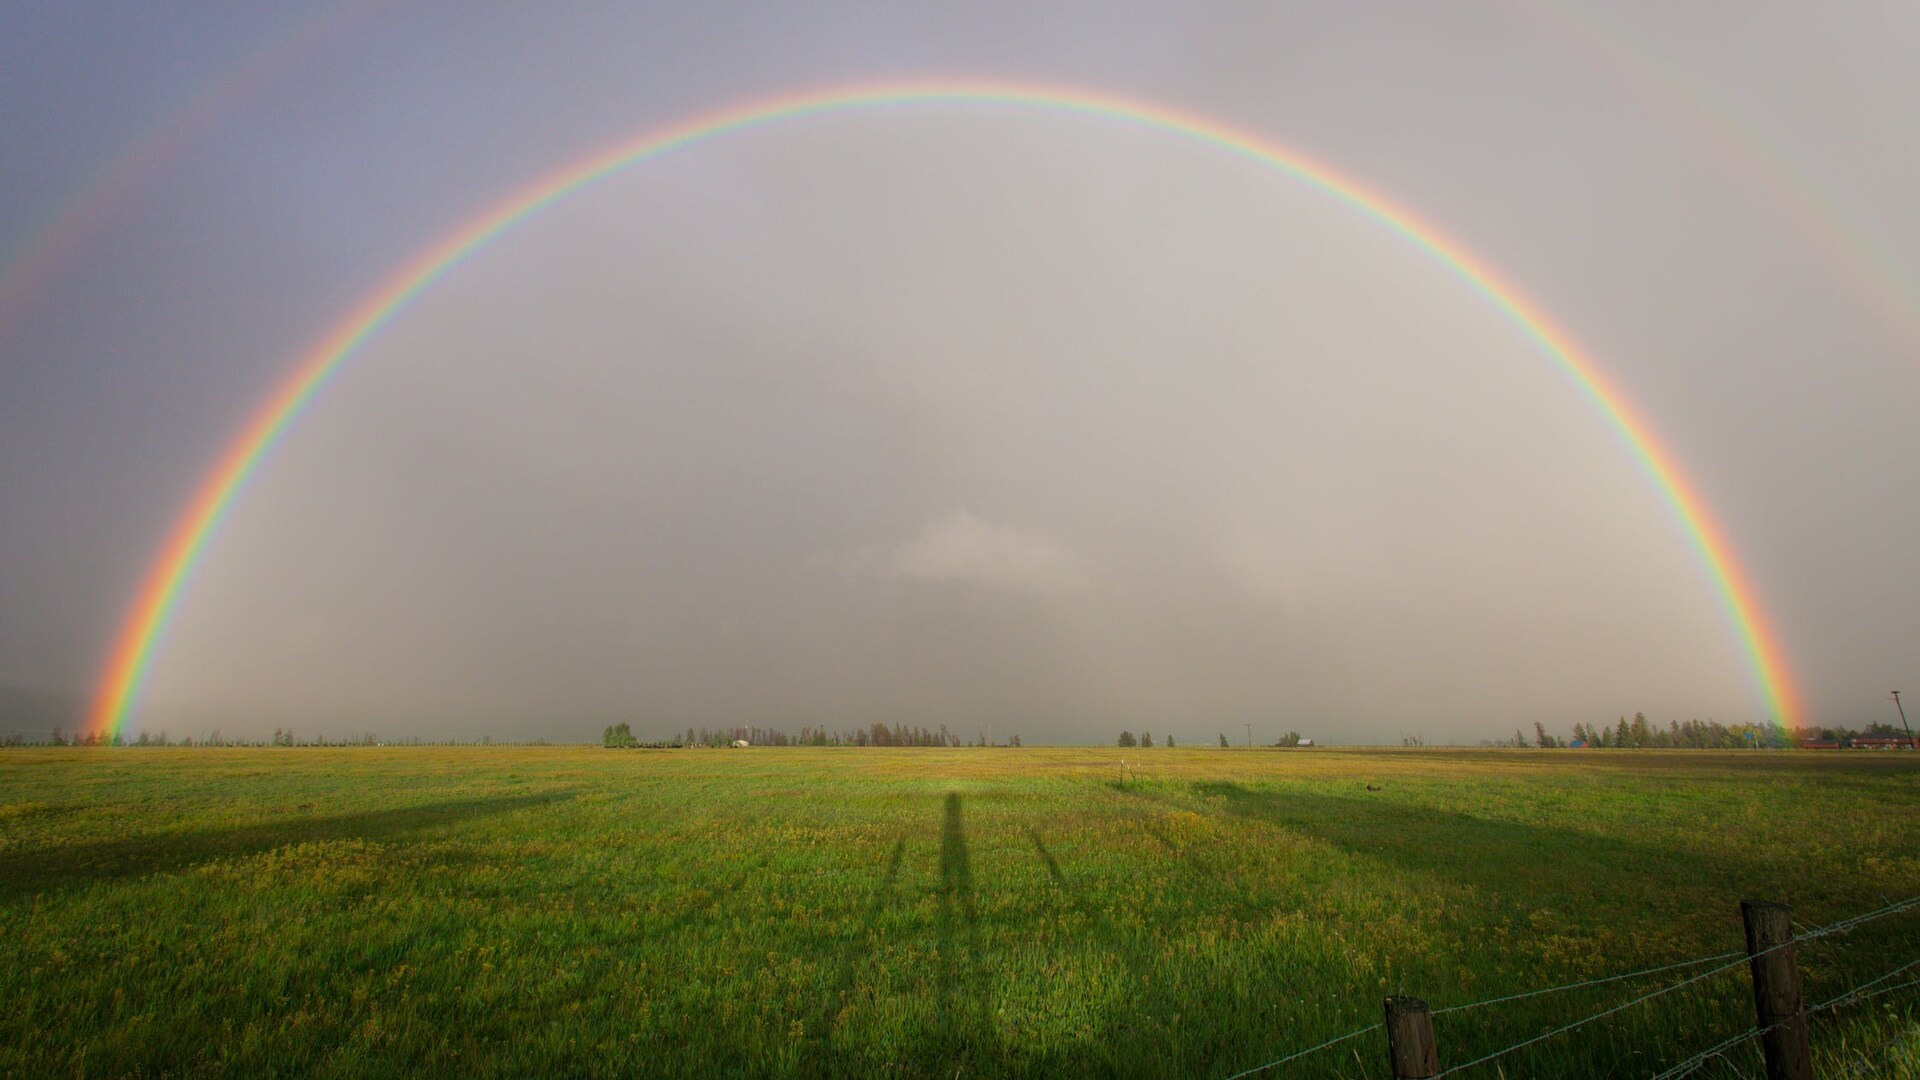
column 1903, row 718
column 1249, row 734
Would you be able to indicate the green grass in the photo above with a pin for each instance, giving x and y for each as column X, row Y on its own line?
column 923, row 912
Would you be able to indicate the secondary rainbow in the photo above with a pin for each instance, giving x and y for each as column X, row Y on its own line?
column 1821, row 221
column 146, row 623
column 27, row 272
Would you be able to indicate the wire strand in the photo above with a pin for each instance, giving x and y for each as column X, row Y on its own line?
column 1564, row 1028
column 1845, row 925
column 1589, row 982
column 1699, row 1059
column 1855, row 994
column 1303, row 1053
column 1839, row 927
column 1735, row 959
column 1845, row 997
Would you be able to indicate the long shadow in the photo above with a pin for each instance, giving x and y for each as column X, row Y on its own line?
column 1533, row 864
column 853, row 949
column 962, row 1026
column 960, row 1035
column 1110, row 1051
column 820, row 1058
column 1052, row 864
column 41, row 869
column 884, row 893
column 956, row 875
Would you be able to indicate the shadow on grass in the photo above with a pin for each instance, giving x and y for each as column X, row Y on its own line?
column 1052, row 864
column 962, row 1030
column 1536, row 865
column 43, row 869
column 884, row 894
column 956, row 875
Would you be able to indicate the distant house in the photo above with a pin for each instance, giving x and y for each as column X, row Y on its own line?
column 1879, row 742
column 1820, row 744
column 741, row 744
column 1305, row 742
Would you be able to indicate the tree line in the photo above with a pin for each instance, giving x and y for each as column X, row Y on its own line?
column 877, row 734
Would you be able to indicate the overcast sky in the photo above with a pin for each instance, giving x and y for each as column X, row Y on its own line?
column 972, row 415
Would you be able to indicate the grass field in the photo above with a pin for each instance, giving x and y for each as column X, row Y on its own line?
column 496, row 911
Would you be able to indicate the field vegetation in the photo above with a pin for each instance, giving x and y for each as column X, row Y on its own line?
column 367, row 911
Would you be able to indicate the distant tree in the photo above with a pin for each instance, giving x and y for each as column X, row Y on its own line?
column 1126, row 739
column 1540, row 737
column 1169, row 741
column 1015, row 741
column 1146, row 738
column 1223, row 740
column 620, row 734
column 1413, row 740
column 1291, row 738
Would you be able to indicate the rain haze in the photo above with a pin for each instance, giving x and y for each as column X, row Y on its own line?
column 990, row 414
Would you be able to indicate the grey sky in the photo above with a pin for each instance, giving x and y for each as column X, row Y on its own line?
column 969, row 415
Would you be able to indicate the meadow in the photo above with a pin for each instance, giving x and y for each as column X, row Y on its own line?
column 977, row 912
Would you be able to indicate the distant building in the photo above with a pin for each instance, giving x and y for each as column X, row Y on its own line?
column 1880, row 742
column 1820, row 744
column 741, row 744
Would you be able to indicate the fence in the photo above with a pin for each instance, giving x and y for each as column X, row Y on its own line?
column 1780, row 1015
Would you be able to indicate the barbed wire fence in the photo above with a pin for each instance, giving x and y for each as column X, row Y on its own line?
column 1724, row 962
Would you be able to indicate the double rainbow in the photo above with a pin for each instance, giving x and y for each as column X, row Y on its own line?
column 187, row 543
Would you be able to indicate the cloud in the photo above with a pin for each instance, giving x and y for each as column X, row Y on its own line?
column 967, row 549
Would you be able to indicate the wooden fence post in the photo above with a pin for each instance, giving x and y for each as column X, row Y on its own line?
column 1410, row 1046
column 1776, row 990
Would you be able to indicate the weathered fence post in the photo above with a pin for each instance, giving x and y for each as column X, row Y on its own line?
column 1776, row 990
column 1410, row 1046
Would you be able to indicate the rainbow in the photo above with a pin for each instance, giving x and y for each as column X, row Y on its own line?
column 146, row 623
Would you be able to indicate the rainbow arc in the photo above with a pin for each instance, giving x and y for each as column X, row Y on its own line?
column 146, row 623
